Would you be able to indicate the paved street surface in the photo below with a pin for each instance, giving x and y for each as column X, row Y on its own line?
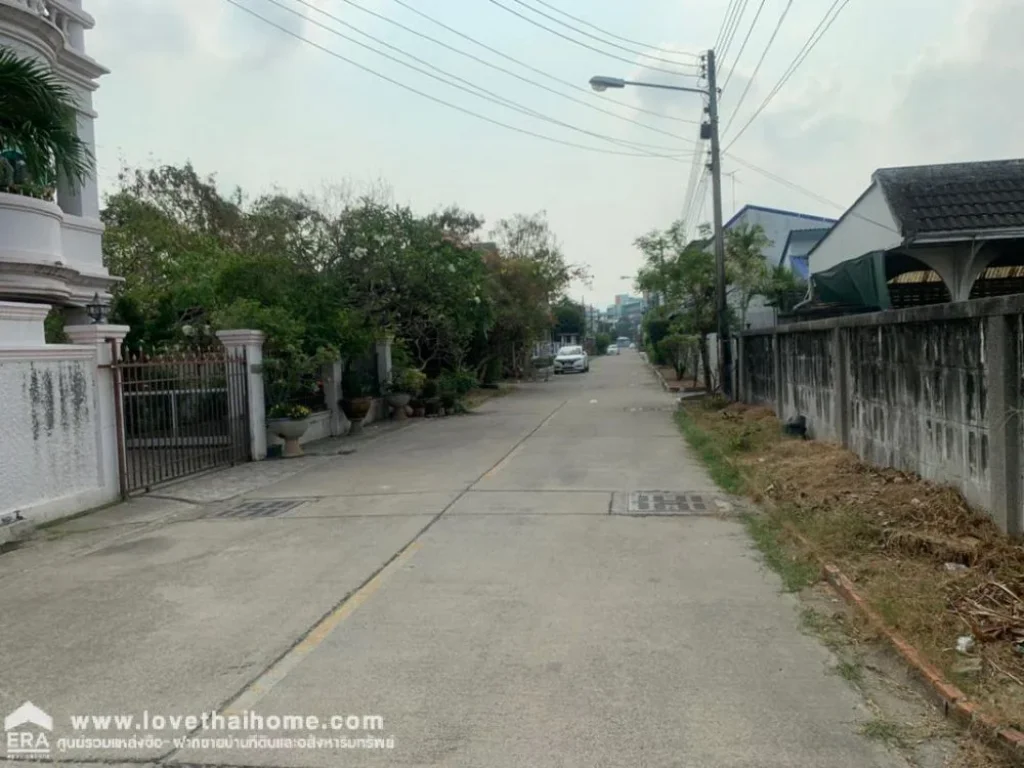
column 471, row 580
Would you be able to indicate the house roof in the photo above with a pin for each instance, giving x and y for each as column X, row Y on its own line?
column 807, row 235
column 779, row 211
column 955, row 197
column 815, row 235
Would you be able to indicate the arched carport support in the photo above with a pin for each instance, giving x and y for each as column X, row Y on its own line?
column 958, row 264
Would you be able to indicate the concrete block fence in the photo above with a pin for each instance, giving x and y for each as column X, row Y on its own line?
column 934, row 390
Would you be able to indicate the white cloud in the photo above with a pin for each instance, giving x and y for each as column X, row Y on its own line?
column 956, row 100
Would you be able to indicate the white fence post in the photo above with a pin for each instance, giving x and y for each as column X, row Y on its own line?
column 250, row 344
column 109, row 440
column 332, row 394
column 384, row 362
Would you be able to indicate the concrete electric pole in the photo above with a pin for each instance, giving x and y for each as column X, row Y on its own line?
column 708, row 131
column 724, row 343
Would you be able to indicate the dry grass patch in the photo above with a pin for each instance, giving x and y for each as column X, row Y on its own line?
column 933, row 567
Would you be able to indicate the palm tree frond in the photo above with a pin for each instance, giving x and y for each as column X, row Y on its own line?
column 38, row 118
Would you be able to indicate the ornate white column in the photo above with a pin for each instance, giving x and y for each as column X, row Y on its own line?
column 250, row 343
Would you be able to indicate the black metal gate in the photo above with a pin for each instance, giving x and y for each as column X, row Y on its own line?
column 179, row 414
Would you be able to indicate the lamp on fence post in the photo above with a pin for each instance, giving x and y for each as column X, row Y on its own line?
column 96, row 310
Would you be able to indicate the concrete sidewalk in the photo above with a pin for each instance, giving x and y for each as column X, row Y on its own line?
column 474, row 581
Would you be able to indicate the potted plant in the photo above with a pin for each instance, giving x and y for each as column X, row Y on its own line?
column 431, row 398
column 448, row 393
column 405, row 383
column 358, row 398
column 289, row 422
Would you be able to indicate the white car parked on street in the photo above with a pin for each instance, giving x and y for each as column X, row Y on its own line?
column 572, row 359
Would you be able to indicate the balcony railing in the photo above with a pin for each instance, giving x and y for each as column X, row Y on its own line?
column 52, row 11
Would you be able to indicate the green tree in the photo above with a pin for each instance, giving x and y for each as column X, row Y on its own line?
column 684, row 272
column 529, row 276
column 783, row 288
column 38, row 126
column 748, row 271
column 569, row 318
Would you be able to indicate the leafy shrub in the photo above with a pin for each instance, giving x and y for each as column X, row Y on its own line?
column 289, row 411
column 492, row 372
column 657, row 329
column 430, row 389
column 603, row 341
column 356, row 383
column 457, row 382
column 407, row 380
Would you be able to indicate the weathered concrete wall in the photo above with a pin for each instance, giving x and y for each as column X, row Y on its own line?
column 933, row 390
column 49, row 448
column 807, row 371
column 759, row 369
column 917, row 401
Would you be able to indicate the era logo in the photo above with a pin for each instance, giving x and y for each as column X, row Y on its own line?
column 20, row 740
column 26, row 743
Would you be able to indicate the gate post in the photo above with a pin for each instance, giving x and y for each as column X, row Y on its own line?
column 109, row 439
column 250, row 344
column 331, row 374
column 383, row 348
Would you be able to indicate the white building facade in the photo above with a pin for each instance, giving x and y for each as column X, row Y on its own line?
column 52, row 251
column 60, row 452
column 777, row 225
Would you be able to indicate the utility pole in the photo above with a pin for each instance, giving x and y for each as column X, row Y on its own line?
column 724, row 343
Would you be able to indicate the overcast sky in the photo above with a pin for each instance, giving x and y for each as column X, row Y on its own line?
column 893, row 82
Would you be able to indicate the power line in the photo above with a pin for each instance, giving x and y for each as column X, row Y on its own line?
column 693, row 218
column 703, row 201
column 505, row 56
column 472, row 88
column 603, row 41
column 730, row 9
column 760, row 61
column 496, row 67
column 814, row 195
column 727, row 41
column 691, row 183
column 743, row 45
column 812, row 41
column 580, row 43
column 434, row 99
column 612, row 34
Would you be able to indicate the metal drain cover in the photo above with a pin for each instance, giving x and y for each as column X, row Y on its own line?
column 261, row 508
column 673, row 503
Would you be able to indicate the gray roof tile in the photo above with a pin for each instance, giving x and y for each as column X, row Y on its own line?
column 956, row 196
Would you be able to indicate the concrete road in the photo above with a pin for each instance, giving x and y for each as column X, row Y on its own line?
column 472, row 581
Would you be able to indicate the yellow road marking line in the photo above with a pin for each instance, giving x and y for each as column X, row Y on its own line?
column 283, row 666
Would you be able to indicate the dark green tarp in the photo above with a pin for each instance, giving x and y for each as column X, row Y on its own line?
column 858, row 282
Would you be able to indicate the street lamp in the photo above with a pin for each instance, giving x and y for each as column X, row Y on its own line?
column 709, row 131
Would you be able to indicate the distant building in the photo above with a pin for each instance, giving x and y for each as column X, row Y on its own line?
column 778, row 226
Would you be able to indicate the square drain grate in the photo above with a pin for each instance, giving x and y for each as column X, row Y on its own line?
column 669, row 503
column 261, row 508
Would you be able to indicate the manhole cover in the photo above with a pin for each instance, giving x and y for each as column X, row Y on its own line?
column 673, row 503
column 261, row 508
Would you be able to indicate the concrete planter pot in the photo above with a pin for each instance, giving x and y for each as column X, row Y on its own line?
column 398, row 401
column 289, row 430
column 355, row 409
